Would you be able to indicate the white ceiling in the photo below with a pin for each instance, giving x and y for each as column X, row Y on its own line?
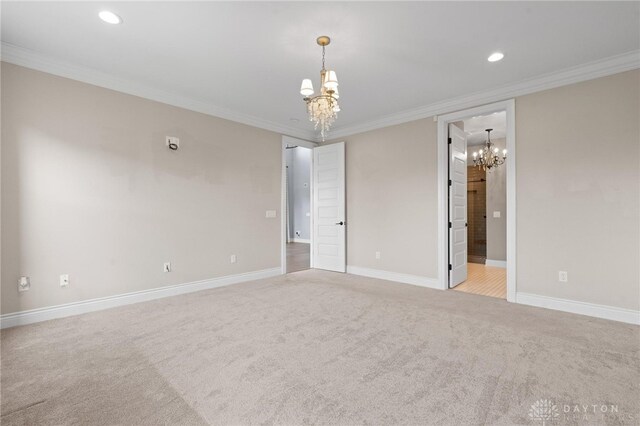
column 475, row 127
column 249, row 58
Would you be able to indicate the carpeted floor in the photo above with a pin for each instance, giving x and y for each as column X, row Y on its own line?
column 324, row 348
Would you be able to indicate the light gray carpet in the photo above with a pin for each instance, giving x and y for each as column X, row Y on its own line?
column 323, row 348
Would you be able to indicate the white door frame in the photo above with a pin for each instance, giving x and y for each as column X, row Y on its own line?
column 290, row 141
column 443, row 189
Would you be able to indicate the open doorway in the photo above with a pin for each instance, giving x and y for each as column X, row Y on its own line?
column 324, row 184
column 477, row 201
column 298, row 210
column 486, row 202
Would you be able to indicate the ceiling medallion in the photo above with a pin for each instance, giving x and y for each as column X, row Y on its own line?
column 322, row 108
column 487, row 158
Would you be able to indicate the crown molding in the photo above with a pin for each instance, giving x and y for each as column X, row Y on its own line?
column 601, row 68
column 30, row 59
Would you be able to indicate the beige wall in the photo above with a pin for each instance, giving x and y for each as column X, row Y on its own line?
column 578, row 171
column 392, row 198
column 90, row 189
column 104, row 200
column 578, row 190
column 497, row 201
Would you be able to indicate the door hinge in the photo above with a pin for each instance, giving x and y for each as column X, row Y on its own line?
column 466, row 224
column 449, row 224
column 450, row 268
column 449, row 182
column 449, row 141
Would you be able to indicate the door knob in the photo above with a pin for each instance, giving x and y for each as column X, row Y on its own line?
column 340, row 223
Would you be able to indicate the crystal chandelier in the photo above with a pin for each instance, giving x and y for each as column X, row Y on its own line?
column 322, row 108
column 487, row 158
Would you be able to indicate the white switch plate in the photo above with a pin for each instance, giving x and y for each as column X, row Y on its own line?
column 563, row 277
column 233, row 258
column 496, row 214
column 64, row 280
column 270, row 213
column 377, row 255
column 24, row 284
column 167, row 267
column 308, row 214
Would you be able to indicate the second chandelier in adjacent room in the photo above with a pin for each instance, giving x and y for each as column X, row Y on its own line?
column 487, row 158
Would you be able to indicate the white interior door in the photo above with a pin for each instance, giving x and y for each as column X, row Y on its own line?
column 329, row 242
column 457, row 206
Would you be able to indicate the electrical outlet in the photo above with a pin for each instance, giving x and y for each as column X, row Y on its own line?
column 64, row 280
column 563, row 277
column 297, row 233
column 270, row 214
column 24, row 284
column 233, row 258
column 377, row 255
column 167, row 267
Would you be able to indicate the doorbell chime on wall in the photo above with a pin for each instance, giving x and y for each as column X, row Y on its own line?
column 173, row 143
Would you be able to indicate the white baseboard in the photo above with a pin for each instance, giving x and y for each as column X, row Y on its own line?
column 496, row 263
column 76, row 308
column 583, row 308
column 394, row 276
column 301, row 240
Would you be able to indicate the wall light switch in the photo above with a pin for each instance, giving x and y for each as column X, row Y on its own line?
column 308, row 214
column 496, row 214
column 24, row 284
column 167, row 267
column 377, row 255
column 233, row 258
column 64, row 280
column 563, row 277
column 270, row 213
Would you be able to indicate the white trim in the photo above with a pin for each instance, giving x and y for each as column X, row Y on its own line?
column 41, row 62
column 443, row 189
column 496, row 263
column 600, row 68
column 583, row 308
column 290, row 141
column 85, row 306
column 393, row 276
column 301, row 240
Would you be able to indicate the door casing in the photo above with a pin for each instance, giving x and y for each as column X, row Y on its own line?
column 443, row 190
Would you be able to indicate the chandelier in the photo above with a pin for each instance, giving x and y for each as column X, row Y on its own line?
column 322, row 108
column 487, row 158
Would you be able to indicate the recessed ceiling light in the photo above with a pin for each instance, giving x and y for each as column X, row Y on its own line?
column 109, row 17
column 495, row 57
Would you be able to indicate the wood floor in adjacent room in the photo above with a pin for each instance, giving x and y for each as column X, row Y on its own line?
column 298, row 256
column 317, row 347
column 485, row 280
